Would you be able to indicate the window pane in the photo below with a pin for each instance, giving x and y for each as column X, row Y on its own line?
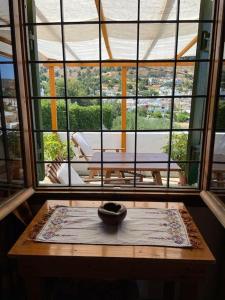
column 157, row 41
column 15, row 172
column 114, row 109
column 82, row 42
column 122, row 40
column 154, row 114
column 47, row 11
column 11, row 113
column 84, row 114
column 111, row 81
column 220, row 118
column 182, row 113
column 51, row 80
column 187, row 40
column 51, row 146
column 84, row 145
column 82, row 174
column 222, row 81
column 196, row 9
column 79, row 10
column 3, row 174
column 187, row 177
column 154, row 143
column 112, row 144
column 2, row 143
column 120, row 10
column 49, row 42
column 13, row 145
column 190, row 79
column 185, row 146
column 155, row 81
column 53, row 174
column 152, row 175
column 189, row 35
column 5, row 44
column 4, row 12
column 83, row 81
column 51, row 112
column 7, row 77
column 157, row 10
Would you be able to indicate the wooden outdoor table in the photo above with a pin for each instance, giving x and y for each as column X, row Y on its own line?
column 41, row 260
column 124, row 162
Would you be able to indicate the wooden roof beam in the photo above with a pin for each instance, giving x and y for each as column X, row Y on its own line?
column 187, row 47
column 121, row 64
column 5, row 40
column 104, row 28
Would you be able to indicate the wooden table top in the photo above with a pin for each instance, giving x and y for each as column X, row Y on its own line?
column 26, row 247
column 125, row 161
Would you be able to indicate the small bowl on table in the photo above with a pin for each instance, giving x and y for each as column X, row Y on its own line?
column 112, row 213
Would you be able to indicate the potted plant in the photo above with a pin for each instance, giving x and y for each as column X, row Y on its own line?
column 54, row 148
column 178, row 151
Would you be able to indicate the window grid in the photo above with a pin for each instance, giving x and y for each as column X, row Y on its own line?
column 218, row 163
column 8, row 64
column 100, row 62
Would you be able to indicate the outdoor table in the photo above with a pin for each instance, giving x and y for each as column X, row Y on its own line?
column 124, row 162
column 37, row 261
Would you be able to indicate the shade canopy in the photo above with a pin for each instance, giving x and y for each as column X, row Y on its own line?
column 118, row 41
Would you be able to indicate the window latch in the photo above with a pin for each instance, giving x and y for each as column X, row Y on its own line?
column 205, row 41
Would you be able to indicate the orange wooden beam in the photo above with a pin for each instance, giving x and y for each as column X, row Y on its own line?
column 121, row 64
column 124, row 109
column 187, row 47
column 104, row 28
column 51, row 70
column 5, row 40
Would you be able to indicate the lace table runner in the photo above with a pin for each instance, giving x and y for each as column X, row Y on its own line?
column 142, row 226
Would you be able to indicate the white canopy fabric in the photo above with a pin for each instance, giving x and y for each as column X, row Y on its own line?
column 156, row 40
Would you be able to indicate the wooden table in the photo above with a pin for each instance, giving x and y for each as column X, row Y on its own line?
column 124, row 162
column 41, row 260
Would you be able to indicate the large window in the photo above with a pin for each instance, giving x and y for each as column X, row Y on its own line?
column 11, row 169
column 119, row 90
column 218, row 165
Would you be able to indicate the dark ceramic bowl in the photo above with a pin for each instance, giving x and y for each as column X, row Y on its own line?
column 112, row 213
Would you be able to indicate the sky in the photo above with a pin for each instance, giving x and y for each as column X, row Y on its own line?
column 6, row 70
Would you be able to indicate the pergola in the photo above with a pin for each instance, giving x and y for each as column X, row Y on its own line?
column 118, row 38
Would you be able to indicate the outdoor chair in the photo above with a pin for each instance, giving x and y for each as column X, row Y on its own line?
column 57, row 173
column 85, row 150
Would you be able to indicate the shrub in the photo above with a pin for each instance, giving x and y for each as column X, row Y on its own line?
column 80, row 117
column 178, row 148
column 54, row 147
column 181, row 117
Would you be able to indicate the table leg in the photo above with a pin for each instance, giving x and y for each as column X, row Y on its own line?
column 189, row 290
column 182, row 178
column 33, row 288
column 168, row 290
column 107, row 175
column 157, row 177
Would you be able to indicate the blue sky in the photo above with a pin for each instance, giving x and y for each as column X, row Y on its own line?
column 6, row 70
